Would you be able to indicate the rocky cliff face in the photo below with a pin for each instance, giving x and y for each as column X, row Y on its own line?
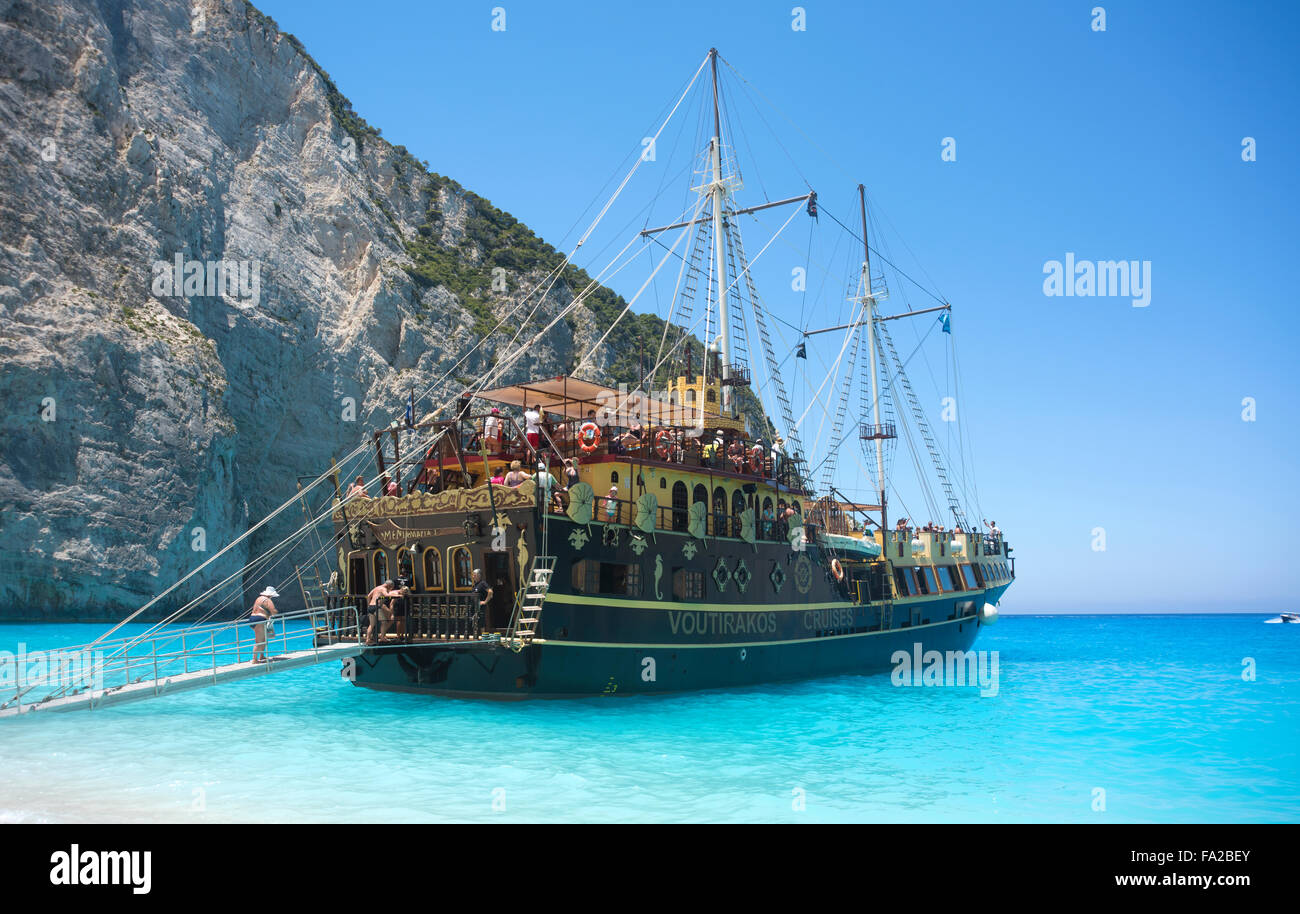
column 203, row 254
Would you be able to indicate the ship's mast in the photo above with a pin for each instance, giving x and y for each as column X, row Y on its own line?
column 718, row 192
column 869, row 301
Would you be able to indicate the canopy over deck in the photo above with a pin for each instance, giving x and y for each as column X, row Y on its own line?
column 574, row 398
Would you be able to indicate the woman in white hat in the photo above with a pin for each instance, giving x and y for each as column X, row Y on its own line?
column 263, row 610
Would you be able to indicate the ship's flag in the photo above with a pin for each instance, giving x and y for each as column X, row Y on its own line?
column 801, row 351
column 410, row 409
column 947, row 328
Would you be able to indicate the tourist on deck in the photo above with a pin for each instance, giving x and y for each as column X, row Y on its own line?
column 390, row 487
column 993, row 528
column 630, row 441
column 493, row 426
column 736, row 454
column 516, row 476
column 433, row 481
column 611, row 505
column 769, row 522
column 398, row 605
column 709, row 452
column 261, row 613
column 533, row 426
column 497, row 479
column 558, row 505
column 377, row 605
column 482, row 593
column 571, row 477
column 358, row 489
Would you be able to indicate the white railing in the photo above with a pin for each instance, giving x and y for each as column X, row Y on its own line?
column 34, row 677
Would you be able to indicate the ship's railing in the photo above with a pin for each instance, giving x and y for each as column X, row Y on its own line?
column 429, row 616
column 677, row 519
column 908, row 542
column 30, row 677
column 560, row 440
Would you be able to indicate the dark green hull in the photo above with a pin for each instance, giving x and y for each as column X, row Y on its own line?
column 558, row 669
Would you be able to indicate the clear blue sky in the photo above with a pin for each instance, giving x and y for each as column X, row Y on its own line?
column 1123, row 144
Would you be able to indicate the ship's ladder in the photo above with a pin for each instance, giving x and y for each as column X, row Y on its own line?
column 530, row 606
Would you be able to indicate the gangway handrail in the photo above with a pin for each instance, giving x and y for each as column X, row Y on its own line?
column 155, row 657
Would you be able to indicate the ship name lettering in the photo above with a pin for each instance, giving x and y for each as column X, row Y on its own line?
column 828, row 618
column 721, row 623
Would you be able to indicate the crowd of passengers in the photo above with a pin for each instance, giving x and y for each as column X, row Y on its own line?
column 543, row 433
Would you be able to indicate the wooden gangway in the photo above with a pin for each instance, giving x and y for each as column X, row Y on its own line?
column 171, row 659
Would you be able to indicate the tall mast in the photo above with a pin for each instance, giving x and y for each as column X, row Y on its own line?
column 869, row 301
column 724, row 325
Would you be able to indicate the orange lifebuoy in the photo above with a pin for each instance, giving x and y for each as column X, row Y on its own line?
column 755, row 459
column 589, row 437
column 665, row 445
column 837, row 569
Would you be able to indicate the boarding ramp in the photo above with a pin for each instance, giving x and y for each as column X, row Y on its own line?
column 172, row 659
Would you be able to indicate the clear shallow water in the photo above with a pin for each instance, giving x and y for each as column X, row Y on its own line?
column 1152, row 709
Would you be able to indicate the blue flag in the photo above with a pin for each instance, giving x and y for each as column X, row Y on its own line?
column 946, row 327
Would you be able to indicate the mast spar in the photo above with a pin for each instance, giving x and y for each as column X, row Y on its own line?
column 717, row 190
column 869, row 302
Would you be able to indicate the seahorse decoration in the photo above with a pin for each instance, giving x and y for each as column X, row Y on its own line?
column 659, row 573
column 523, row 559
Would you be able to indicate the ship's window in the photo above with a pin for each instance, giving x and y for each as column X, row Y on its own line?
column 719, row 511
column 679, row 506
column 462, row 569
column 624, row 580
column 432, row 569
column 711, row 395
column 663, row 482
column 906, row 583
column 946, row 578
column 978, row 571
column 922, row 584
column 381, row 566
column 613, row 477
column 687, row 584
column 737, row 509
column 930, row 582
column 968, row 575
column 406, row 567
column 700, row 493
column 690, row 396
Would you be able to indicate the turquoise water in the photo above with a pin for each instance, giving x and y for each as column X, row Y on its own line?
column 1151, row 709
